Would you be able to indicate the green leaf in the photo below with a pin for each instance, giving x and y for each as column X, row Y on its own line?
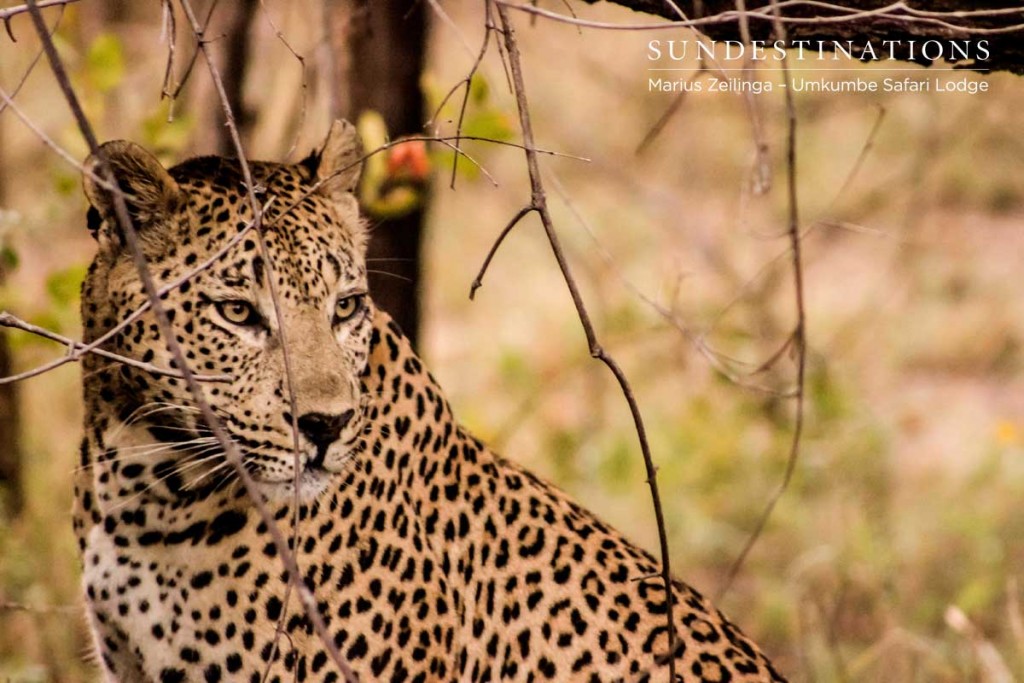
column 479, row 90
column 65, row 285
column 490, row 123
column 8, row 258
column 104, row 62
column 163, row 136
column 66, row 183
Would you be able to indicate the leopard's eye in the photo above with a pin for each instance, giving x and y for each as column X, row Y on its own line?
column 347, row 307
column 239, row 312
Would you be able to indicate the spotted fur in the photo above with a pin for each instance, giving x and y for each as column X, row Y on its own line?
column 430, row 557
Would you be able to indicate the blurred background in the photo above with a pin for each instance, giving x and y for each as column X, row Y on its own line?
column 898, row 552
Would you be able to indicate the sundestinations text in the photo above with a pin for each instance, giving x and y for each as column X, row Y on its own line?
column 821, row 50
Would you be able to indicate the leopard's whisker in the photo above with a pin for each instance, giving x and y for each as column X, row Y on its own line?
column 141, row 451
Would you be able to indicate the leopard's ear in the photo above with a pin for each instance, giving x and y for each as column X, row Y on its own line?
column 338, row 162
column 150, row 193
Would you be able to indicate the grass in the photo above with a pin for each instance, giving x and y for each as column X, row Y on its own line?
column 904, row 512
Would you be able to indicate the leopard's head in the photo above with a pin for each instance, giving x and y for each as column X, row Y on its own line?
column 277, row 312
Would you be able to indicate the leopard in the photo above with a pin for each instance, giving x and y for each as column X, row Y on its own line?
column 260, row 391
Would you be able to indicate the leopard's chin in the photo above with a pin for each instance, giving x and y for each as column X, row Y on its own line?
column 311, row 484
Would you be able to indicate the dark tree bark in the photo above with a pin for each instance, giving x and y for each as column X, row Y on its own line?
column 1007, row 49
column 10, row 430
column 237, row 27
column 230, row 34
column 10, row 415
column 379, row 49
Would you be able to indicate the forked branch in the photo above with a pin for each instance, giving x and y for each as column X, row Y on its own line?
column 539, row 204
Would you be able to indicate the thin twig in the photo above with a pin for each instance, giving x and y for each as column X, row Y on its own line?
column 762, row 179
column 674, row 106
column 677, row 102
column 478, row 281
column 8, row 13
column 468, row 83
column 11, row 606
column 304, row 86
column 32, row 64
column 9, row 320
column 538, row 202
column 173, row 95
column 169, row 31
column 799, row 336
column 716, row 359
column 447, row 21
column 869, row 143
column 8, row 101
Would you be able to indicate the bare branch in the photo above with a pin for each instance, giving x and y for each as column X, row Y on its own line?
column 799, row 336
column 32, row 65
column 538, row 203
column 467, row 83
column 9, row 12
column 762, row 170
column 674, row 106
column 716, row 359
column 11, row 606
column 478, row 281
column 8, row 102
column 304, row 86
column 169, row 31
column 447, row 21
column 869, row 143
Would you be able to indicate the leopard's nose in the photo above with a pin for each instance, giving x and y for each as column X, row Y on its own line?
column 322, row 429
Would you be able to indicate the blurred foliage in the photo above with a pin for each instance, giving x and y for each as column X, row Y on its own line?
column 104, row 64
column 167, row 136
column 481, row 118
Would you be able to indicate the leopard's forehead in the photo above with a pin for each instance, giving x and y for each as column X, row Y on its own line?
column 310, row 240
column 221, row 176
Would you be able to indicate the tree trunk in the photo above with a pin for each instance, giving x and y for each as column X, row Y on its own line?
column 10, row 416
column 378, row 49
column 232, row 24
column 234, row 59
column 1007, row 48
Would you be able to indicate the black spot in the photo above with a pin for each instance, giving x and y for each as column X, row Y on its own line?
column 151, row 538
column 273, row 608
column 134, row 469
column 202, row 580
column 225, row 524
column 358, row 649
column 193, row 533
column 170, row 675
column 547, row 667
